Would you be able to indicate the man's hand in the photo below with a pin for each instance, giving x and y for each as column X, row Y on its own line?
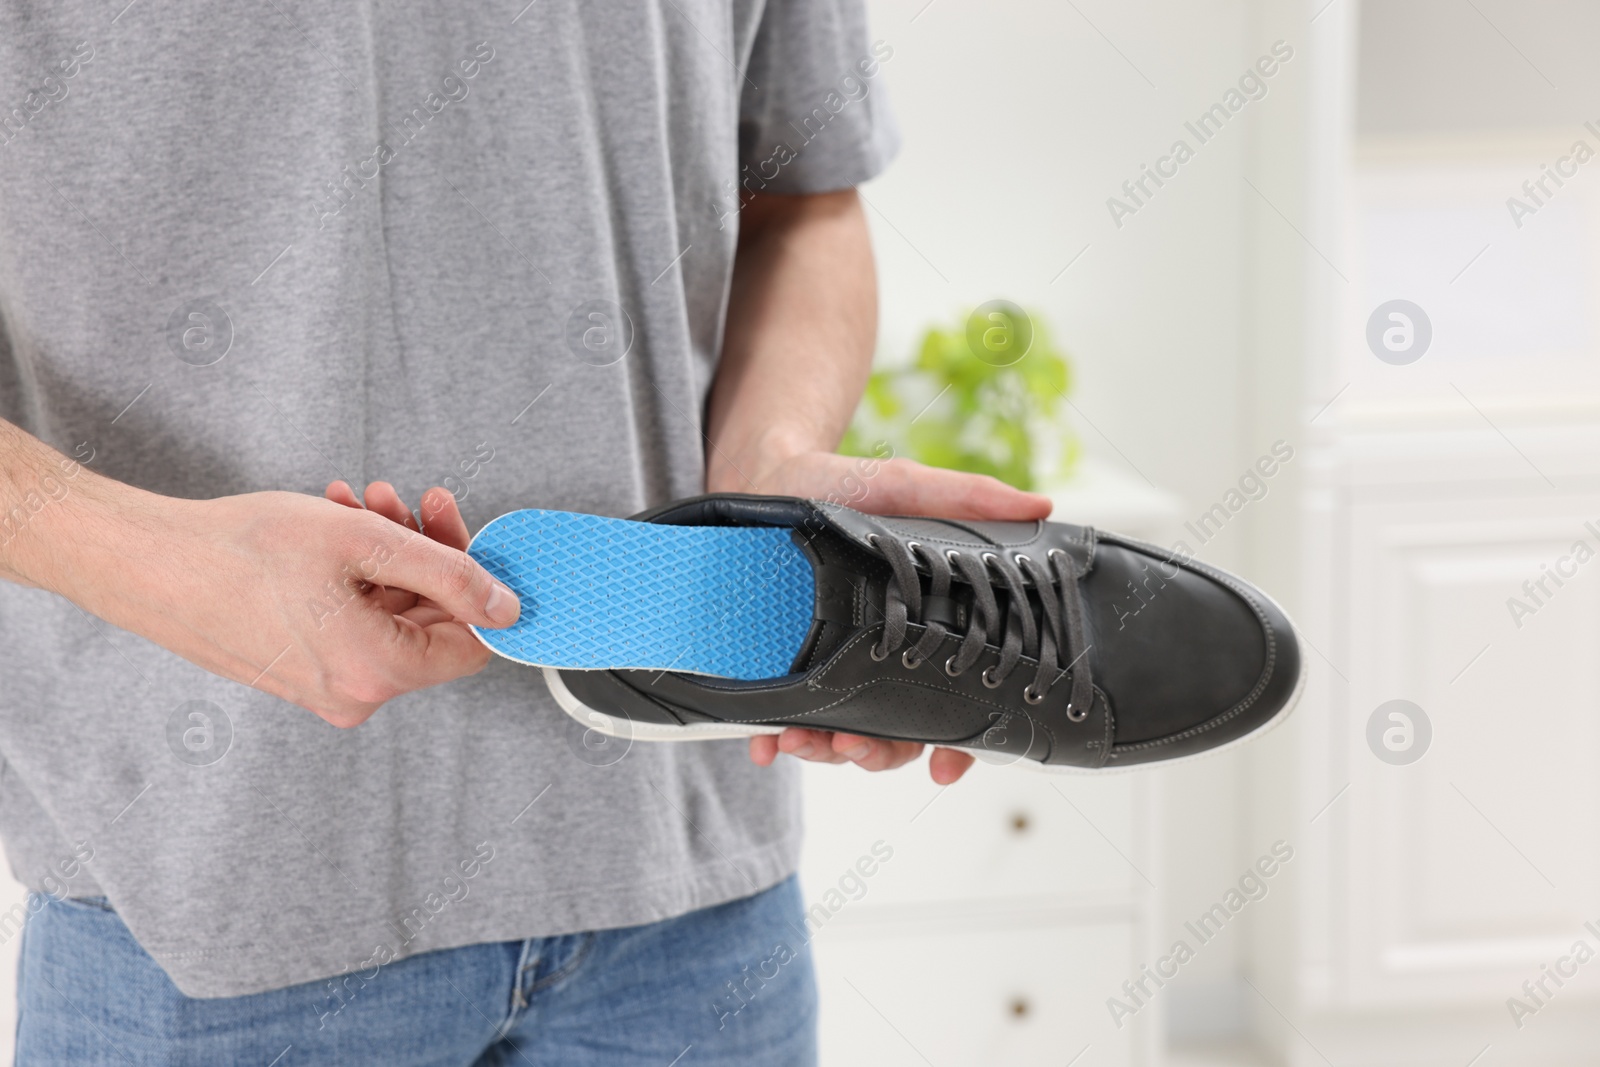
column 802, row 320
column 335, row 608
column 895, row 487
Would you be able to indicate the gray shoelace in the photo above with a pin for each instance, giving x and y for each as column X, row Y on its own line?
column 1016, row 633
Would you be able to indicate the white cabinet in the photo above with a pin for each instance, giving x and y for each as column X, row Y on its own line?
column 1001, row 912
column 1026, row 993
column 1450, row 881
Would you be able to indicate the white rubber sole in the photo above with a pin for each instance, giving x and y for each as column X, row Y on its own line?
column 646, row 731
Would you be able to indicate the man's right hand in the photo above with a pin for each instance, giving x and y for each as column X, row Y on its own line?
column 335, row 608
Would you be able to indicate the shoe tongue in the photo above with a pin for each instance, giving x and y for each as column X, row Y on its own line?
column 850, row 590
column 950, row 611
column 841, row 594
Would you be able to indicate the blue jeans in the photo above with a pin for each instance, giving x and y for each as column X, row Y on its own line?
column 727, row 985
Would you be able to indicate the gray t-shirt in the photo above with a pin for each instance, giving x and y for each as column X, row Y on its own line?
column 263, row 246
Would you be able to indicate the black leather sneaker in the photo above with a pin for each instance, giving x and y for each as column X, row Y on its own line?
column 1036, row 642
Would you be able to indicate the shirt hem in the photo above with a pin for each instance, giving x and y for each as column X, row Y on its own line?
column 212, row 972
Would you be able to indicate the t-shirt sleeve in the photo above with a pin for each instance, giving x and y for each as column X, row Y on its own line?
column 814, row 115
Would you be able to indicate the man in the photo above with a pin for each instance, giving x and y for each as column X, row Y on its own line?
column 584, row 255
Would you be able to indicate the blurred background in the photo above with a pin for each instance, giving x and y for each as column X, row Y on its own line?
column 1344, row 347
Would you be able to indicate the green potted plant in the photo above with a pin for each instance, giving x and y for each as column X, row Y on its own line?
column 987, row 396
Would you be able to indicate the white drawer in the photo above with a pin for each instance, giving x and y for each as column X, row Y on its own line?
column 999, row 833
column 977, row 998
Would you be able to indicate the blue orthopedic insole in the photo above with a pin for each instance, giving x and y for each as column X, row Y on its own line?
column 731, row 601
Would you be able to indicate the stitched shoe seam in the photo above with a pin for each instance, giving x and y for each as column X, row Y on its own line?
column 886, row 522
column 1088, row 542
column 983, row 542
column 847, row 694
column 851, row 693
column 1110, row 742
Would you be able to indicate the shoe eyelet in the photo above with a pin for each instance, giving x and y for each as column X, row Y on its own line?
column 1074, row 715
column 950, row 668
column 871, row 539
column 873, row 652
column 1020, row 559
column 990, row 559
column 951, row 555
column 989, row 681
column 1031, row 695
column 910, row 663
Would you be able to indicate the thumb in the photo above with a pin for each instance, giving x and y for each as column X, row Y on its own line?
column 451, row 579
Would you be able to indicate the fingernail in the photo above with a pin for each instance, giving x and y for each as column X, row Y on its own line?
column 805, row 750
column 858, row 752
column 503, row 607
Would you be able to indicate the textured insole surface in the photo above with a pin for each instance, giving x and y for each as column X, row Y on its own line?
column 735, row 602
